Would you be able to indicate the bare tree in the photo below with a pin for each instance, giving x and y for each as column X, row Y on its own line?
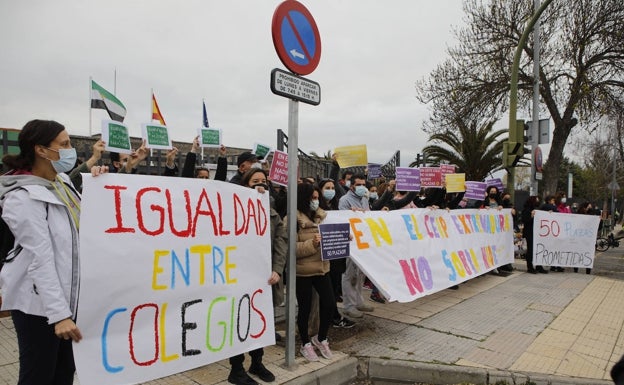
column 581, row 68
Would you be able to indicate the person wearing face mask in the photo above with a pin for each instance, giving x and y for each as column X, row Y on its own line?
column 312, row 273
column 353, row 278
column 40, row 283
column 256, row 178
column 328, row 201
column 560, row 201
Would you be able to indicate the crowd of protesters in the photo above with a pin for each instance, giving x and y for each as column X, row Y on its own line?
column 43, row 184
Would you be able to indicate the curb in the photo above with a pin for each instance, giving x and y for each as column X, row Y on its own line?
column 341, row 372
column 395, row 372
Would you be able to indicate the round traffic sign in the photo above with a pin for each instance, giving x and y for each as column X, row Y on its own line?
column 296, row 37
column 537, row 159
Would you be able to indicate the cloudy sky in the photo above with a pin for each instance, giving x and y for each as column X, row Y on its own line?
column 222, row 51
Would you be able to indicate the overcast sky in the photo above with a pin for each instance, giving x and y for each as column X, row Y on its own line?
column 373, row 51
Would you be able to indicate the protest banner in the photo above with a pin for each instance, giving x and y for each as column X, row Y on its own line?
column 278, row 173
column 116, row 137
column 349, row 156
column 412, row 253
column 407, row 179
column 455, row 182
column 174, row 275
column 565, row 240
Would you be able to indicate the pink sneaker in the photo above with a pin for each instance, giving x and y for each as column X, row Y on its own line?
column 323, row 347
column 307, row 351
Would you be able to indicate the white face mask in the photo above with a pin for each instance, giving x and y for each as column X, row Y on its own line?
column 563, row 200
column 256, row 165
column 373, row 195
column 314, row 204
column 67, row 159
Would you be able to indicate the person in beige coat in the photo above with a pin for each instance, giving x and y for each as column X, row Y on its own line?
column 312, row 273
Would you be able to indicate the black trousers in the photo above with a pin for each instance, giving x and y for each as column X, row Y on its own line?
column 44, row 358
column 237, row 361
column 327, row 304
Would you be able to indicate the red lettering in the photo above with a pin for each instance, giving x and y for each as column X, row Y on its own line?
column 209, row 211
column 262, row 211
column 238, row 204
column 131, row 338
column 187, row 199
column 159, row 209
column 255, row 309
column 118, row 217
column 251, row 213
column 221, row 230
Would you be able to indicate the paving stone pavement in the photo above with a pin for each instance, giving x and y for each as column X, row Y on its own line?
column 557, row 327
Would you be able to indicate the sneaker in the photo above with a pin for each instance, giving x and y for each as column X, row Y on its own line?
column 344, row 323
column 322, row 346
column 353, row 313
column 261, row 371
column 377, row 298
column 240, row 377
column 307, row 351
column 366, row 308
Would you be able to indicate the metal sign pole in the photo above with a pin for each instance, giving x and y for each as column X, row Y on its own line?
column 535, row 132
column 293, row 166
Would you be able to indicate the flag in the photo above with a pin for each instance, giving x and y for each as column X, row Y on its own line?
column 100, row 98
column 205, row 115
column 156, row 115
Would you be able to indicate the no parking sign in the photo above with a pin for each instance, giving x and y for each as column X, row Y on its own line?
column 296, row 37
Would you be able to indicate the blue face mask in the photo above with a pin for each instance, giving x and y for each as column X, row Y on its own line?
column 329, row 194
column 67, row 159
column 314, row 205
column 360, row 190
column 373, row 195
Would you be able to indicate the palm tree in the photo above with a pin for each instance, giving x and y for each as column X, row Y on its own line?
column 475, row 149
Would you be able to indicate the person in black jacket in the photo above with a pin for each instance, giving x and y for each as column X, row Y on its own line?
column 528, row 212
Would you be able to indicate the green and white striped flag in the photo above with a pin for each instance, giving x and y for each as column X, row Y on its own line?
column 100, row 98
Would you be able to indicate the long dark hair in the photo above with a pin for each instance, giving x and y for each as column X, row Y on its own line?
column 304, row 195
column 35, row 132
column 324, row 203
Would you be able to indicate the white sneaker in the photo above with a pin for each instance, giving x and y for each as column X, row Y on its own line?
column 323, row 347
column 307, row 351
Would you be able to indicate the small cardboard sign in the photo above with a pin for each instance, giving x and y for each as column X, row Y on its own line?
column 430, row 177
column 262, row 151
column 116, row 137
column 334, row 240
column 156, row 136
column 374, row 170
column 475, row 190
column 455, row 182
column 210, row 137
column 279, row 168
column 350, row 156
column 407, row 179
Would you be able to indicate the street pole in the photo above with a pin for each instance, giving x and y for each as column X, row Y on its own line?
column 513, row 87
column 293, row 166
column 536, row 95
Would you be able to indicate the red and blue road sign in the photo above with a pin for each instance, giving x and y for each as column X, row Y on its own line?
column 296, row 37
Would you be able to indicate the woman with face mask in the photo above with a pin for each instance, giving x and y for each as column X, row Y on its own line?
column 40, row 279
column 256, row 178
column 312, row 273
column 329, row 201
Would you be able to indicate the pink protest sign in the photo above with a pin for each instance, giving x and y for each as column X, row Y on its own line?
column 430, row 177
column 279, row 168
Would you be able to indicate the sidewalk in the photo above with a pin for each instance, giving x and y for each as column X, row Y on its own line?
column 560, row 328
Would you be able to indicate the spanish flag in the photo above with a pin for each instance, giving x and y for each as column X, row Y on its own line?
column 156, row 115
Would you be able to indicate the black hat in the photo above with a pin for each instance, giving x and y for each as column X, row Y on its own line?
column 246, row 156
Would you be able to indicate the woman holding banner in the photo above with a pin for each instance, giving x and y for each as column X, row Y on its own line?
column 312, row 273
column 256, row 178
column 528, row 212
column 40, row 279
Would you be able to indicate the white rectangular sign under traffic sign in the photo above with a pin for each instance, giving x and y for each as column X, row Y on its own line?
column 295, row 87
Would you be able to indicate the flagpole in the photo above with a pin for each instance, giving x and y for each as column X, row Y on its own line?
column 202, row 124
column 90, row 86
column 115, row 83
column 151, row 119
